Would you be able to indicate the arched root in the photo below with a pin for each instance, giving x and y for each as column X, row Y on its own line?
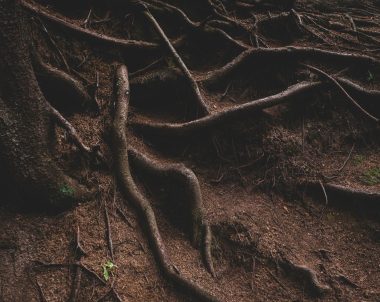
column 133, row 194
column 239, row 112
column 236, row 113
column 308, row 275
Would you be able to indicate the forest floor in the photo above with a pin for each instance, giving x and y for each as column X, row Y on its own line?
column 267, row 224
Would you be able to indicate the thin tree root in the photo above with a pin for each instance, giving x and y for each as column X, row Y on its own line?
column 40, row 292
column 76, row 285
column 108, row 231
column 79, row 251
column 73, row 86
column 285, row 53
column 65, row 124
column 307, row 274
column 111, row 293
column 133, row 194
column 335, row 82
column 201, row 232
column 203, row 26
column 88, row 271
column 180, row 63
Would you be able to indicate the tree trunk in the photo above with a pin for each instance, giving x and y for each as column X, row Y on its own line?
column 25, row 123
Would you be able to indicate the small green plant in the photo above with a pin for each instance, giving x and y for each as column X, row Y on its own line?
column 371, row 177
column 108, row 269
column 370, row 76
column 67, row 190
column 358, row 159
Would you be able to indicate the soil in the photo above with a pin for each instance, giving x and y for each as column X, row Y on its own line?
column 253, row 173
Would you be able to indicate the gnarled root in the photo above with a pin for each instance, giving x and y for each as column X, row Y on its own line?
column 236, row 113
column 133, row 194
column 201, row 233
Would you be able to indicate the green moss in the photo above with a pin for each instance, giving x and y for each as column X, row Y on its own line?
column 67, row 190
column 371, row 177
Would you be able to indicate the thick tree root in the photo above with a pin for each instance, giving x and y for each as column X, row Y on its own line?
column 348, row 195
column 239, row 112
column 180, row 63
column 236, row 113
column 308, row 275
column 201, row 232
column 133, row 194
column 125, row 44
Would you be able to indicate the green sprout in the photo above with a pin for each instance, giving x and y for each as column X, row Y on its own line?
column 67, row 190
column 108, row 269
column 370, row 77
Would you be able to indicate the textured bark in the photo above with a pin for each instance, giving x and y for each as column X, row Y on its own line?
column 25, row 123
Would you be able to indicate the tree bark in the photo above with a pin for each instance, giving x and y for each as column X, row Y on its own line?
column 26, row 126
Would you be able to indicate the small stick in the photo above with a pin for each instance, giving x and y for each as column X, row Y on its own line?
column 87, row 21
column 324, row 192
column 78, row 246
column 142, row 70
column 108, row 231
column 96, row 89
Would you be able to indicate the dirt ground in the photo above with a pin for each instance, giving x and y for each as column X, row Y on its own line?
column 260, row 177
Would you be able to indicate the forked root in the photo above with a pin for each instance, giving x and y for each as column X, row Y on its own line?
column 133, row 194
column 181, row 64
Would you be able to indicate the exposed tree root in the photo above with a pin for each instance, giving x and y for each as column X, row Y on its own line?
column 180, row 63
column 354, row 102
column 201, row 232
column 108, row 231
column 125, row 44
column 75, row 285
column 349, row 195
column 53, row 78
column 308, row 275
column 285, row 53
column 245, row 110
column 89, row 272
column 236, row 113
column 203, row 26
column 65, row 124
column 133, row 194
column 112, row 293
column 78, row 249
